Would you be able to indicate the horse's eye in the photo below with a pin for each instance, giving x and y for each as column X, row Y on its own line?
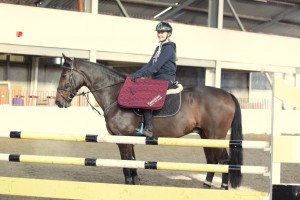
column 64, row 75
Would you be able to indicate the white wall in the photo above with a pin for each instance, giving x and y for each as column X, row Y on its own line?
column 82, row 120
column 48, row 31
column 259, row 121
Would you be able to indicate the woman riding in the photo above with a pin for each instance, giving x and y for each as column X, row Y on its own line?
column 162, row 65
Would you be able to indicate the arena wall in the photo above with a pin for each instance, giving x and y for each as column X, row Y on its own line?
column 83, row 120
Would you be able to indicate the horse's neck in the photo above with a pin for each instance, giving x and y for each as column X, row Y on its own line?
column 103, row 87
column 106, row 97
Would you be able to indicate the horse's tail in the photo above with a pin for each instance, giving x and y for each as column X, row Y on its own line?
column 236, row 154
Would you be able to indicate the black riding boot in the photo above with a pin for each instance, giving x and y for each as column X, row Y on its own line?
column 148, row 123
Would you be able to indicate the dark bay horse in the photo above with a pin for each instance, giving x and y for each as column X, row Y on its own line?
column 208, row 111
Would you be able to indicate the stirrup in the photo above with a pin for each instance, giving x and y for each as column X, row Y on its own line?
column 139, row 132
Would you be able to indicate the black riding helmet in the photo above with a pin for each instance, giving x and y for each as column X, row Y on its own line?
column 164, row 26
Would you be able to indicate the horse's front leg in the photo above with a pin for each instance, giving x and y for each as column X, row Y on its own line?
column 127, row 153
column 210, row 159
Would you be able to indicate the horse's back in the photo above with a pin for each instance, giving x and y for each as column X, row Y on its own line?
column 213, row 108
column 207, row 94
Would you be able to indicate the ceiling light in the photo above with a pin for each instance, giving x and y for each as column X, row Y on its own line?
column 161, row 13
column 265, row 1
column 38, row 3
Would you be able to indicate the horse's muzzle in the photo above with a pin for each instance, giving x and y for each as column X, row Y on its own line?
column 62, row 104
column 58, row 104
column 61, row 101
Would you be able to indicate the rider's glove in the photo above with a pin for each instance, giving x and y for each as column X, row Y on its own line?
column 134, row 77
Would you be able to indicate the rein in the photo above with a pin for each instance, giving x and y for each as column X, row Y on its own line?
column 73, row 93
column 86, row 95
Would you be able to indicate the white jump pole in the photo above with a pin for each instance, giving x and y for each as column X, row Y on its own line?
column 133, row 164
column 138, row 140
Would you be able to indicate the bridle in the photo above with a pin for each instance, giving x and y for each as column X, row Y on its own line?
column 73, row 93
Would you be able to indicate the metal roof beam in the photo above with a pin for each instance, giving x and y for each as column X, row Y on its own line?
column 215, row 14
column 236, row 17
column 277, row 2
column 123, row 10
column 190, row 8
column 164, row 5
column 275, row 19
column 148, row 3
column 283, row 2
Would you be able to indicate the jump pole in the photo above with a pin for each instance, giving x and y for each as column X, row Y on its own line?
column 100, row 191
column 138, row 140
column 134, row 164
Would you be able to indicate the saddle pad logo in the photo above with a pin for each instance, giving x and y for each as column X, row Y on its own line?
column 155, row 100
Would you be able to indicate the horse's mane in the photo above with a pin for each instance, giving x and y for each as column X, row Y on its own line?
column 104, row 69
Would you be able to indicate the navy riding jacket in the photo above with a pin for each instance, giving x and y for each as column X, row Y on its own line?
column 162, row 66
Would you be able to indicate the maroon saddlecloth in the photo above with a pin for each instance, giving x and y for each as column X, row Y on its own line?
column 143, row 93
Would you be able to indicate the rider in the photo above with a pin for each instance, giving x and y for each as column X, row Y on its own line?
column 162, row 65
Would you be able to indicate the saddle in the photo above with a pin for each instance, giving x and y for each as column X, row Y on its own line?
column 171, row 106
column 143, row 93
column 151, row 94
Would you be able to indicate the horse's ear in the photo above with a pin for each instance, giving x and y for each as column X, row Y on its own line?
column 67, row 59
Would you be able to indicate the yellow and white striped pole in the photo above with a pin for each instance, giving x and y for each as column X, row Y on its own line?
column 133, row 164
column 138, row 140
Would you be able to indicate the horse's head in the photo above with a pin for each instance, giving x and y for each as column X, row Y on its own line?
column 70, row 82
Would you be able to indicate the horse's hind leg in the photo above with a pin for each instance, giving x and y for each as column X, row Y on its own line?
column 127, row 153
column 216, row 156
column 224, row 160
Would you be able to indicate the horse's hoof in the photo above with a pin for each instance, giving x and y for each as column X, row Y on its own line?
column 128, row 181
column 136, row 180
column 206, row 186
column 223, row 187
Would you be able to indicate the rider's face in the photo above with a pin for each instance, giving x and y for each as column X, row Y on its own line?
column 162, row 35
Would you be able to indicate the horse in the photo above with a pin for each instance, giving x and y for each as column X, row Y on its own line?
column 208, row 111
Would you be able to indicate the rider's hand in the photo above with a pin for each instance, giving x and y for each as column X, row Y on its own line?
column 134, row 77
